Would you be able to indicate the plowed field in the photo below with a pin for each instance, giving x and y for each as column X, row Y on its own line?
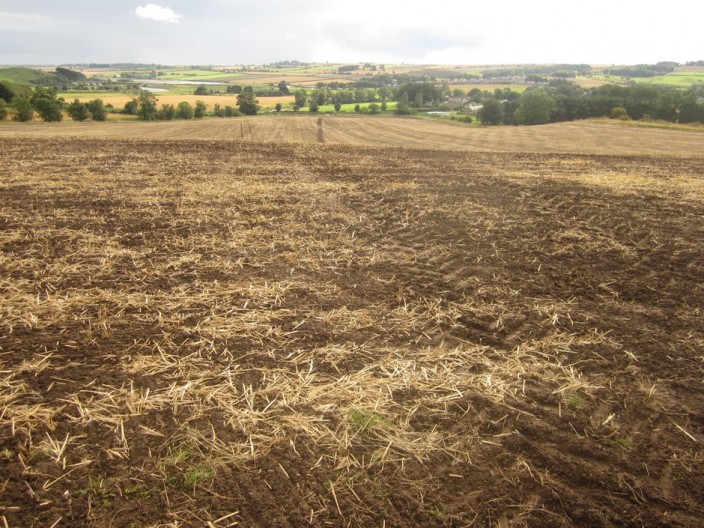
column 226, row 333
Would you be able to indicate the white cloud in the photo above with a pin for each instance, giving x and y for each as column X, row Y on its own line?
column 158, row 13
column 289, row 35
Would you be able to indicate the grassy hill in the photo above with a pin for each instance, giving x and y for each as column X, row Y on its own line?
column 9, row 90
column 19, row 81
column 24, row 75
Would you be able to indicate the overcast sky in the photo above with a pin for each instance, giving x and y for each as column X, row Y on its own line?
column 229, row 32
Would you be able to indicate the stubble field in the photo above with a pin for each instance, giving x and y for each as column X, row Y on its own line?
column 248, row 333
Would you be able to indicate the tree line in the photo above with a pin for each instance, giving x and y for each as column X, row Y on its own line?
column 559, row 101
column 45, row 102
column 568, row 102
column 145, row 108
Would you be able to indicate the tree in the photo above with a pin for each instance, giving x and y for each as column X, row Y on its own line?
column 690, row 109
column 3, row 109
column 97, row 110
column 147, row 106
column 313, row 107
column 534, row 108
column 491, row 112
column 78, row 111
column 184, row 110
column 320, row 97
column 201, row 90
column 337, row 107
column 131, row 107
column 48, row 110
column 231, row 112
column 218, row 111
column 283, row 88
column 357, row 108
column 403, row 108
column 373, row 108
column 475, row 95
column 166, row 113
column 248, row 103
column 278, row 107
column 22, row 109
column 46, row 104
column 300, row 98
column 384, row 106
column 418, row 100
column 200, row 110
column 618, row 112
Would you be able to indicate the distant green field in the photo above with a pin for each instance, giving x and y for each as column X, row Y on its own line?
column 682, row 80
column 679, row 80
column 311, row 69
column 197, row 75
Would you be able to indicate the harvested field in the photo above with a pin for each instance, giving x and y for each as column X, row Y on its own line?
column 221, row 333
column 567, row 138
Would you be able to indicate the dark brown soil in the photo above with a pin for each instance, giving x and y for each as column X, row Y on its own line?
column 212, row 333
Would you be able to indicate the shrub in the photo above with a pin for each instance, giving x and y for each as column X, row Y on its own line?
column 184, row 111
column 48, row 109
column 231, row 112
column 619, row 112
column 22, row 109
column 97, row 110
column 200, row 110
column 166, row 113
column 131, row 107
column 78, row 111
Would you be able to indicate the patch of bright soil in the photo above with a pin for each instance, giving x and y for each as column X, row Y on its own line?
column 212, row 333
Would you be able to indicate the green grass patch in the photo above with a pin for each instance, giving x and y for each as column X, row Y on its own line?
column 573, row 399
column 680, row 80
column 198, row 475
column 99, row 489
column 365, row 421
column 617, row 442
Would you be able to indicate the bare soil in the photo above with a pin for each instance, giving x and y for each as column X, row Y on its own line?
column 220, row 333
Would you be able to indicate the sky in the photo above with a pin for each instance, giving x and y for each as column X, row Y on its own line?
column 232, row 32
